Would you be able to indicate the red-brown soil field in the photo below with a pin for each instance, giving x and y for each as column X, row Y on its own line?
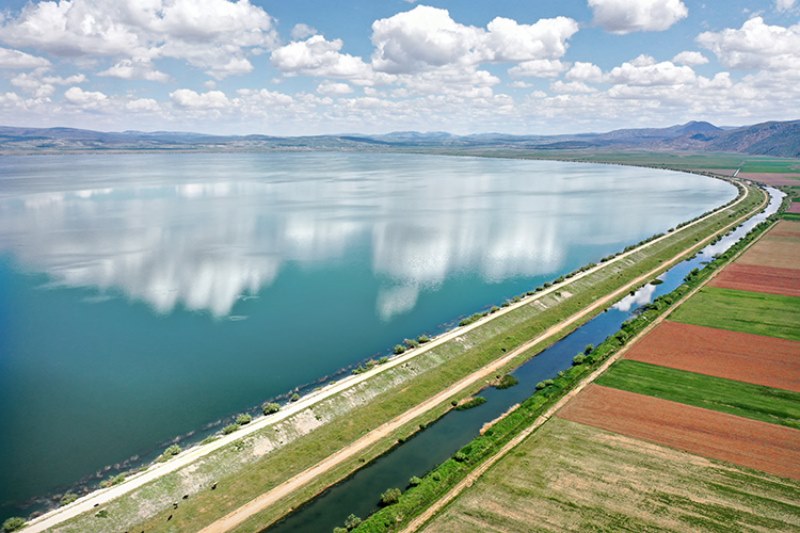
column 756, row 359
column 794, row 208
column 767, row 447
column 756, row 278
column 775, row 179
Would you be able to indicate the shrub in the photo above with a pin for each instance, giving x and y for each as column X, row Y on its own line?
column 472, row 402
column 294, row 397
column 390, row 496
column 398, row 349
column 383, row 360
column 352, row 522
column 230, row 428
column 506, row 381
column 422, row 339
column 173, row 449
column 340, row 530
column 589, row 349
column 411, row 343
column 243, row 419
column 13, row 524
column 68, row 498
column 414, row 481
column 579, row 359
column 494, row 309
column 270, row 408
column 114, row 480
column 460, row 457
column 102, row 513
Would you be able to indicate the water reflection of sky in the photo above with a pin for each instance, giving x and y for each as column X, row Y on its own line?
column 203, row 231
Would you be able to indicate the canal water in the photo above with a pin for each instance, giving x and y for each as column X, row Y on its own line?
column 359, row 494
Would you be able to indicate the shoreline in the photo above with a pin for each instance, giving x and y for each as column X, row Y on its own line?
column 157, row 470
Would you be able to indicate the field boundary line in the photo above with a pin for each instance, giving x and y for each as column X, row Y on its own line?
column 473, row 476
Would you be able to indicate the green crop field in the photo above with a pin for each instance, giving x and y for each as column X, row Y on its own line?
column 572, row 477
column 734, row 397
column 750, row 312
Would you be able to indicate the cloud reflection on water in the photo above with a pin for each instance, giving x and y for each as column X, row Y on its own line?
column 188, row 235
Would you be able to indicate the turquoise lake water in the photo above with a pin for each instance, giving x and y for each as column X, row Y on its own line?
column 147, row 296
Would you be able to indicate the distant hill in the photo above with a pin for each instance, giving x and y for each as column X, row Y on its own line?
column 780, row 139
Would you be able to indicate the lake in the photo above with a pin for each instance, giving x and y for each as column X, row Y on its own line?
column 145, row 297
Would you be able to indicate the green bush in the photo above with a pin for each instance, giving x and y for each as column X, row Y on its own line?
column 414, row 481
column 270, row 408
column 230, row 428
column 422, row 339
column 411, row 343
column 391, row 496
column 294, row 397
column 579, row 359
column 243, row 419
column 68, row 498
column 173, row 449
column 506, row 381
column 460, row 457
column 398, row 349
column 340, row 530
column 352, row 522
column 13, row 524
column 114, row 480
column 589, row 349
column 102, row 513
column 472, row 402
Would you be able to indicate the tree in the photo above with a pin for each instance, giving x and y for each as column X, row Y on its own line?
column 243, row 419
column 270, row 408
column 352, row 522
column 391, row 496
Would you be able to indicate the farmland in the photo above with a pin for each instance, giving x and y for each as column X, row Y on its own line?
column 570, row 477
column 749, row 312
column 728, row 396
column 727, row 354
column 757, row 278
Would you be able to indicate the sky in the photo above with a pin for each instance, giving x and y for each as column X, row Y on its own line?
column 301, row 67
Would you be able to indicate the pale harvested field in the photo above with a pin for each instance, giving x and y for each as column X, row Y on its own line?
column 573, row 477
column 773, row 253
column 786, row 228
column 757, row 359
column 750, row 443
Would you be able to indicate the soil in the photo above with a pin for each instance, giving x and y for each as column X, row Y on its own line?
column 756, row 278
column 750, row 443
column 773, row 252
column 794, row 208
column 767, row 361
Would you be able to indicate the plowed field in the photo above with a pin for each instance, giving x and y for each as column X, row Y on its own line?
column 727, row 354
column 767, row 447
column 794, row 208
column 758, row 278
column 776, row 179
column 773, row 253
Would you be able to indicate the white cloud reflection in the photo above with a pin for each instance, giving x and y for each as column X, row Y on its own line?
column 180, row 232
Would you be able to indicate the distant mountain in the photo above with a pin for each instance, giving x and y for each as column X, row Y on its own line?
column 768, row 138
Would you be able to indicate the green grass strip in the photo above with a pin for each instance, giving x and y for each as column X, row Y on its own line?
column 767, row 404
column 749, row 312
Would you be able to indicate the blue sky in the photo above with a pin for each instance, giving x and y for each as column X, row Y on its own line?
column 316, row 66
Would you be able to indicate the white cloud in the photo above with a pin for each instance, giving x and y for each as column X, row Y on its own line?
column 128, row 69
column 582, row 71
column 303, row 31
column 756, row 45
column 572, row 87
column 85, row 99
column 626, row 16
column 538, row 68
column 427, row 38
column 784, row 5
column 41, row 85
column 316, row 56
column 17, row 59
column 209, row 34
column 645, row 71
column 143, row 105
column 188, row 98
column 690, row 58
column 329, row 87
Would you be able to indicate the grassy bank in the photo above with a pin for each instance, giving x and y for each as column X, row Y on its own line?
column 243, row 469
column 734, row 397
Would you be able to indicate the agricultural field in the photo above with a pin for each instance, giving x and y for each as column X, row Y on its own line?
column 751, row 443
column 718, row 394
column 726, row 354
column 755, row 278
column 749, row 312
column 571, row 477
